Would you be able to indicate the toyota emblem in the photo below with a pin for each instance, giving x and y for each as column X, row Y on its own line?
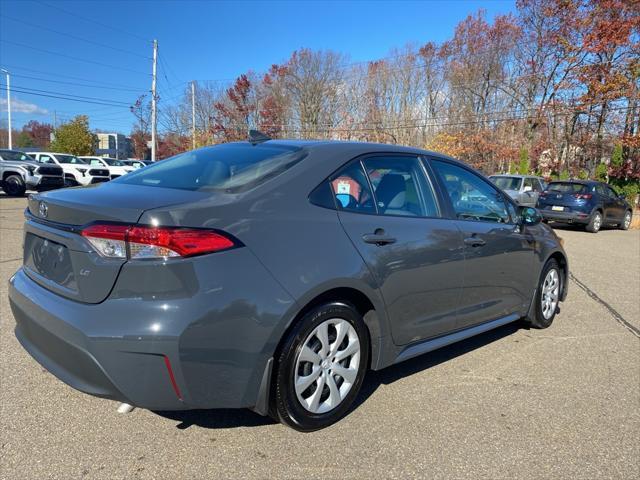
column 43, row 209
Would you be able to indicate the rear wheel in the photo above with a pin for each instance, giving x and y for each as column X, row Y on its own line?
column 14, row 186
column 626, row 221
column 547, row 296
column 321, row 368
column 595, row 223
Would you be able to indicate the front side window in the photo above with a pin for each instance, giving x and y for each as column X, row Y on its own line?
column 507, row 183
column 15, row 156
column 611, row 192
column 471, row 196
column 45, row 159
column 70, row 159
column 528, row 185
column 231, row 168
column 400, row 187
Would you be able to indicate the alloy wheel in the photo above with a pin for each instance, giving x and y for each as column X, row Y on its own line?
column 327, row 365
column 597, row 222
column 550, row 293
column 627, row 220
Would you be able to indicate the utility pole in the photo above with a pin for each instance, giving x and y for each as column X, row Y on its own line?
column 153, row 102
column 6, row 72
column 193, row 114
column 55, row 120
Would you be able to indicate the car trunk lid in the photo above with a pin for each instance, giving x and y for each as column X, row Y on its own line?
column 57, row 256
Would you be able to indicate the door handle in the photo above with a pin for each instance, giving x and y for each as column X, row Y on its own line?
column 378, row 238
column 474, row 242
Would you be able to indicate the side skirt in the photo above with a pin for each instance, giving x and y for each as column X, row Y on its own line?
column 433, row 344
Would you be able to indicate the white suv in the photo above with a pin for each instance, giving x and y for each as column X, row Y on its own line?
column 116, row 167
column 76, row 171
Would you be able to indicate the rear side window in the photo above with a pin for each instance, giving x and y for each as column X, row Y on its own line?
column 351, row 190
column 567, row 187
column 230, row 167
column 400, row 187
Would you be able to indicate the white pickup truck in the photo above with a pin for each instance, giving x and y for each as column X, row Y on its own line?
column 116, row 167
column 76, row 171
column 20, row 172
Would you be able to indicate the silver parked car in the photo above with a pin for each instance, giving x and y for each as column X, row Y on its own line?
column 524, row 189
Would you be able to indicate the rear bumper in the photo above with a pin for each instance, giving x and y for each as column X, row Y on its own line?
column 207, row 349
column 566, row 217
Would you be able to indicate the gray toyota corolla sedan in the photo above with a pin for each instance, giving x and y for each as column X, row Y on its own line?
column 273, row 275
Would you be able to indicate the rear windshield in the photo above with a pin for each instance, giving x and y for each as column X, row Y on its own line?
column 229, row 167
column 567, row 187
column 507, row 183
column 13, row 155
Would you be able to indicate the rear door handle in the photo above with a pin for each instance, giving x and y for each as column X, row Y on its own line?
column 378, row 238
column 474, row 242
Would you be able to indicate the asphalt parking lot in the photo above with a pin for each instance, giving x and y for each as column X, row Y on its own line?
column 557, row 403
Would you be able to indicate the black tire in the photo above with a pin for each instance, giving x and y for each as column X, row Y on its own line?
column 625, row 224
column 285, row 405
column 595, row 223
column 538, row 318
column 70, row 181
column 14, row 186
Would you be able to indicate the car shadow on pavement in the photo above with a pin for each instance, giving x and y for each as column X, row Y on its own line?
column 410, row 367
column 232, row 418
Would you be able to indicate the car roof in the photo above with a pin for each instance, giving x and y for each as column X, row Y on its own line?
column 515, row 175
column 579, row 182
column 353, row 148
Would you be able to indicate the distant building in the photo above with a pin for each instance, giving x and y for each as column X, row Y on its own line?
column 114, row 145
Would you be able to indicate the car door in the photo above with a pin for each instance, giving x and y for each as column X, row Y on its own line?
column 529, row 196
column 389, row 208
column 608, row 204
column 617, row 205
column 499, row 256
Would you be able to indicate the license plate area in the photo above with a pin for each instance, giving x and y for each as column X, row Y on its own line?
column 50, row 260
column 557, row 208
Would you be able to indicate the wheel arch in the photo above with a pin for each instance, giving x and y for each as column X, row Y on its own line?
column 561, row 258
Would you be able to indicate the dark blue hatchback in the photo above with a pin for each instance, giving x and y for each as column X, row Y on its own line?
column 589, row 203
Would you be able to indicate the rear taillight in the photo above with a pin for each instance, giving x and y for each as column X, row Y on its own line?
column 143, row 242
column 582, row 196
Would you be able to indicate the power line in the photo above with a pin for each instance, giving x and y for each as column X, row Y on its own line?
column 93, row 21
column 137, row 90
column 78, row 59
column 73, row 95
column 129, row 52
column 60, row 97
column 53, row 74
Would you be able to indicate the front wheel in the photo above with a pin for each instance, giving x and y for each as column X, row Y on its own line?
column 14, row 186
column 320, row 368
column 626, row 221
column 547, row 296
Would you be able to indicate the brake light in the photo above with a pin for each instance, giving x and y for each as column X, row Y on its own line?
column 582, row 196
column 144, row 242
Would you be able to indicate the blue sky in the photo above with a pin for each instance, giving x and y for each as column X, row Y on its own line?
column 51, row 40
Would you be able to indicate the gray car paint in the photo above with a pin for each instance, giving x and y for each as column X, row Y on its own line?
column 219, row 318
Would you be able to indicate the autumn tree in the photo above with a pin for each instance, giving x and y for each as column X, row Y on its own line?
column 75, row 137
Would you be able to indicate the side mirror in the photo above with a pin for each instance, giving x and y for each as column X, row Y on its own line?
column 530, row 216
